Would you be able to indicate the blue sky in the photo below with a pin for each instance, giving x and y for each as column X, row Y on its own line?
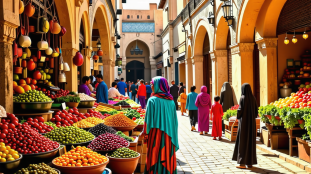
column 139, row 4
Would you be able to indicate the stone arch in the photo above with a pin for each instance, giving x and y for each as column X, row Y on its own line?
column 99, row 18
column 202, row 29
column 134, row 38
column 221, row 35
column 66, row 20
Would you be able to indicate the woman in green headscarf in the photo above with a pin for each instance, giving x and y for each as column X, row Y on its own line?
column 160, row 128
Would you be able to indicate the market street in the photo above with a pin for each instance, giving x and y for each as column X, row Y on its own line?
column 201, row 154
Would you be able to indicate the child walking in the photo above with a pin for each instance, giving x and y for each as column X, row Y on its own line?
column 217, row 114
column 183, row 100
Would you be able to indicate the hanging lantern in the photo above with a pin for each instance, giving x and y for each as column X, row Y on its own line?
column 100, row 52
column 95, row 57
column 78, row 59
column 294, row 39
column 211, row 18
column 286, row 40
column 305, row 35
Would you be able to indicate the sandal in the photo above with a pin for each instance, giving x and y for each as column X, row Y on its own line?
column 241, row 167
column 249, row 166
column 201, row 133
column 214, row 138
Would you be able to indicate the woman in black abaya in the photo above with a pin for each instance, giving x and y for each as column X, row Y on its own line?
column 226, row 99
column 245, row 144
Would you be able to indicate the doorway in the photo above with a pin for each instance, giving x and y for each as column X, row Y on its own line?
column 134, row 71
column 207, row 65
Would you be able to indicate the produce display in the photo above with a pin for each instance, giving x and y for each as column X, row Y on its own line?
column 85, row 97
column 37, row 168
column 53, row 95
column 300, row 99
column 51, row 124
column 7, row 154
column 93, row 120
column 38, row 125
column 68, row 98
column 24, row 85
column 96, row 104
column 121, row 98
column 101, row 108
column 111, row 102
column 69, row 135
column 2, row 112
column 140, row 121
column 88, row 122
column 230, row 112
column 121, row 134
column 32, row 96
column 80, row 157
column 132, row 113
column 108, row 142
column 119, row 120
column 124, row 153
column 23, row 138
column 133, row 104
column 122, row 103
column 101, row 129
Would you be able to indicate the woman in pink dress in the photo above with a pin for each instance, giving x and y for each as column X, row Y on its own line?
column 203, row 103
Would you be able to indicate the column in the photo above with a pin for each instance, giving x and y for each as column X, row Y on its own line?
column 242, row 66
column 214, row 74
column 86, row 69
column 107, row 72
column 198, row 71
column 182, row 72
column 268, row 70
column 72, row 75
column 220, row 63
column 153, row 68
column 113, row 64
column 189, row 74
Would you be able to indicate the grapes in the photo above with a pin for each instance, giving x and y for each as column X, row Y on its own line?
column 32, row 96
column 101, row 129
column 107, row 142
column 37, row 168
column 124, row 153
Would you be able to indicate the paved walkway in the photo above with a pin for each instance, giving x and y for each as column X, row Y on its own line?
column 201, row 154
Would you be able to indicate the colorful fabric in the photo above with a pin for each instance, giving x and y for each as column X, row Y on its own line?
column 161, row 88
column 142, row 91
column 142, row 101
column 161, row 154
column 204, row 97
column 84, row 89
column 191, row 98
column 217, row 114
column 121, row 87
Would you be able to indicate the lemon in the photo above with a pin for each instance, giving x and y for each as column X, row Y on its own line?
column 2, row 160
column 15, row 156
column 11, row 159
column 2, row 148
column 8, row 147
column 3, row 155
column 8, row 156
column 6, row 151
column 2, row 144
column 12, row 151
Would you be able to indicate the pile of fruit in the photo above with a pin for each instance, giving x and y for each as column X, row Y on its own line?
column 96, row 114
column 300, row 99
column 83, row 124
column 108, row 142
column 85, row 97
column 102, row 109
column 32, row 96
column 51, row 124
column 70, row 135
column 119, row 120
column 38, row 125
column 121, row 134
column 140, row 121
column 53, row 94
column 96, row 104
column 24, row 85
column 101, row 129
column 23, row 138
column 132, row 113
column 80, row 156
column 235, row 107
column 124, row 153
column 7, row 154
column 121, row 98
column 133, row 104
column 111, row 102
column 37, row 168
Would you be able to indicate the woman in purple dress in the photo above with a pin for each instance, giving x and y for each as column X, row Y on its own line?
column 203, row 102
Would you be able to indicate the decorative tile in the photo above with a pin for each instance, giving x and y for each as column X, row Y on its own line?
column 138, row 27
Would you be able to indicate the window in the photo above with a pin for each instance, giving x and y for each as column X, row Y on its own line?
column 128, row 16
column 132, row 16
column 137, row 16
column 148, row 17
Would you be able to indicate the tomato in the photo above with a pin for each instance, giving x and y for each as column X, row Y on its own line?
column 70, row 111
column 11, row 126
column 41, row 119
column 4, row 126
column 15, row 122
column 5, row 131
column 2, row 135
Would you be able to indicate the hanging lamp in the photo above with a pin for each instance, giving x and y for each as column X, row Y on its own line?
column 286, row 40
column 294, row 39
column 305, row 34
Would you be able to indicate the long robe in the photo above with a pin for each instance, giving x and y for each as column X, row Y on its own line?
column 226, row 99
column 245, row 144
column 217, row 119
column 203, row 111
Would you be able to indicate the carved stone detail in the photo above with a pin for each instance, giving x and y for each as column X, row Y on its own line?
column 221, row 53
column 69, row 51
column 242, row 48
column 267, row 43
column 7, row 32
column 196, row 59
column 188, row 61
column 87, row 52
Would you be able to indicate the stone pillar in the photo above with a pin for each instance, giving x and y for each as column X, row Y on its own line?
column 113, row 64
column 220, row 69
column 107, row 70
column 182, row 72
column 72, row 75
column 189, row 74
column 242, row 66
column 268, row 70
column 153, row 68
column 86, row 69
column 214, row 74
column 198, row 71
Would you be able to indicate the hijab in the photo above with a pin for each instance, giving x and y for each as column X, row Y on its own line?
column 204, row 97
column 248, row 98
column 161, row 88
column 226, row 96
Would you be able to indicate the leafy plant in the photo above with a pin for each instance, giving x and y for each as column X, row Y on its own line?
column 262, row 112
column 229, row 113
column 305, row 137
column 67, row 99
column 307, row 123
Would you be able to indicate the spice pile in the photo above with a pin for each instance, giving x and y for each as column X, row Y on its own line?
column 119, row 120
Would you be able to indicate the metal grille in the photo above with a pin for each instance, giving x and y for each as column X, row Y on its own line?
column 295, row 14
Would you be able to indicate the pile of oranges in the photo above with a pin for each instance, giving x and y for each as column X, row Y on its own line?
column 119, row 120
column 7, row 154
column 79, row 157
column 88, row 122
column 296, row 100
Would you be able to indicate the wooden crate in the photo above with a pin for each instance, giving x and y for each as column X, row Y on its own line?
column 292, row 134
column 279, row 141
column 265, row 137
column 303, row 149
column 133, row 145
column 231, row 129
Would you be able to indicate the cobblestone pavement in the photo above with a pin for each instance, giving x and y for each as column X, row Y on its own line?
column 201, row 154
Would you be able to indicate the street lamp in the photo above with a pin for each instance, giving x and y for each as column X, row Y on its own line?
column 211, row 18
column 98, row 44
column 227, row 10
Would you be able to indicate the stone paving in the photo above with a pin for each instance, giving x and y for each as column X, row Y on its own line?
column 201, row 154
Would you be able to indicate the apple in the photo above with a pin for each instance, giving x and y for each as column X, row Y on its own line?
column 22, row 81
column 37, row 75
column 27, row 88
column 33, row 86
column 19, row 89
column 33, row 81
column 28, row 80
column 14, row 84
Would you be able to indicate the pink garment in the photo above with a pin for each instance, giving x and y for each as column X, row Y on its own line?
column 203, row 102
column 217, row 114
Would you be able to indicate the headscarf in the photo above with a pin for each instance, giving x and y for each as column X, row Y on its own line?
column 204, row 97
column 226, row 96
column 161, row 88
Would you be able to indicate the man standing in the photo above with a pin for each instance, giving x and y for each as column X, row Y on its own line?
column 122, row 87
column 102, row 90
column 149, row 91
column 142, row 94
column 181, row 88
column 113, row 92
column 133, row 90
column 174, row 92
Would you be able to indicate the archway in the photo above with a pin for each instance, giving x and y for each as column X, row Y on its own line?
column 134, row 71
column 138, row 51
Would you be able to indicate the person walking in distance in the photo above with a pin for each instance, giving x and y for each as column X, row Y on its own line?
column 192, row 108
column 183, row 100
column 122, row 87
column 133, row 90
column 203, row 103
column 174, row 92
column 142, row 94
column 226, row 99
column 181, row 88
column 245, row 144
column 217, row 114
column 149, row 91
